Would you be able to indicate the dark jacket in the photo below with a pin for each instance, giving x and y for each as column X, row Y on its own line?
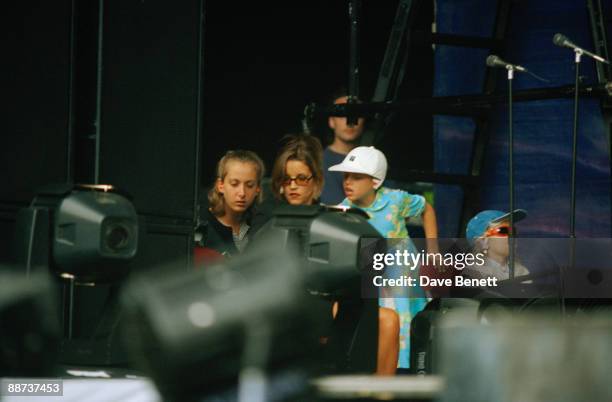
column 218, row 237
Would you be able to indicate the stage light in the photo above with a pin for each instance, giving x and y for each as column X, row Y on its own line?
column 93, row 233
column 83, row 231
column 333, row 244
column 195, row 332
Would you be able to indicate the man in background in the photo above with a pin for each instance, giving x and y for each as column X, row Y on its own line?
column 345, row 138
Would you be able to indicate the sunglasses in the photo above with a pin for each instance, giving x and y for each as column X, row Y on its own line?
column 500, row 231
column 300, row 180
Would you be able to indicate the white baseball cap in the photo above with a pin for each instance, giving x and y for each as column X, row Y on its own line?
column 366, row 160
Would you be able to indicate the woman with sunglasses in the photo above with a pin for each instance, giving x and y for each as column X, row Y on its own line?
column 488, row 233
column 297, row 178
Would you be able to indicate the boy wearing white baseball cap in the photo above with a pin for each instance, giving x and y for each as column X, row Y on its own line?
column 365, row 169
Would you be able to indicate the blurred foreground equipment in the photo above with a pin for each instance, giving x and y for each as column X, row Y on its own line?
column 377, row 388
column 29, row 325
column 197, row 333
column 329, row 241
column 531, row 357
column 335, row 248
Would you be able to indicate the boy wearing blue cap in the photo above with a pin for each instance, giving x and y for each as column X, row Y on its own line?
column 364, row 170
column 488, row 233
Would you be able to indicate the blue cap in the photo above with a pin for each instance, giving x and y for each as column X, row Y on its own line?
column 481, row 222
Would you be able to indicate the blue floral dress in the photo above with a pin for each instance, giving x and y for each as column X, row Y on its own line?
column 388, row 214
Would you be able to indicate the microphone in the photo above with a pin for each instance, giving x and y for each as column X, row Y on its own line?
column 495, row 61
column 562, row 41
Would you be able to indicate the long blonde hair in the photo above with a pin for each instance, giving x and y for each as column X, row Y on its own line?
column 300, row 147
column 215, row 198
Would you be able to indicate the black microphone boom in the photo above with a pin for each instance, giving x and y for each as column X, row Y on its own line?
column 562, row 41
column 495, row 61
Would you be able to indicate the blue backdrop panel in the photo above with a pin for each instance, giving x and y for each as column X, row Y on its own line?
column 457, row 71
column 542, row 129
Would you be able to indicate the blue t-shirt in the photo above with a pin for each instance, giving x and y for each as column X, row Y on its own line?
column 333, row 193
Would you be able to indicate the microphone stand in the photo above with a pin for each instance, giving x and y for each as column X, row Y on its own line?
column 495, row 61
column 511, row 172
column 578, row 54
column 562, row 41
column 572, row 261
